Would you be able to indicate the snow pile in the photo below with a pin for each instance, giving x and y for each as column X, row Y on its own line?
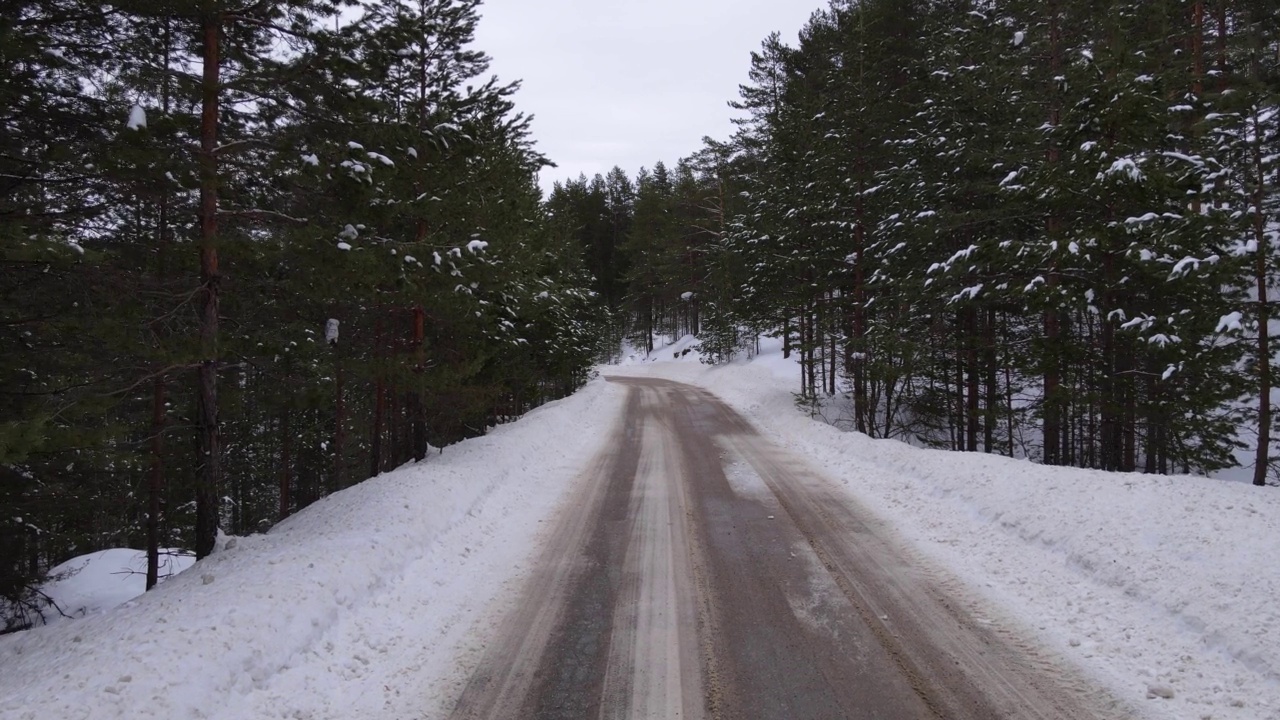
column 684, row 349
column 94, row 583
column 1153, row 585
column 375, row 602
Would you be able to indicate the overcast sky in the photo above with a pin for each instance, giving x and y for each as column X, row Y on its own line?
column 629, row 82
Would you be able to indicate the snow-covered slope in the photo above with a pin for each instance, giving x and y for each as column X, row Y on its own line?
column 1153, row 585
column 372, row 603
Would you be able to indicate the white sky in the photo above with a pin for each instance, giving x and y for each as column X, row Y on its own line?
column 629, row 82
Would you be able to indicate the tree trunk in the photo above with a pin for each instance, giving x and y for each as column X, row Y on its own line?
column 1052, row 387
column 1197, row 47
column 379, row 399
column 807, row 351
column 1008, row 386
column 1222, row 43
column 971, row 367
column 1262, row 456
column 395, row 446
column 419, row 415
column 1110, row 411
column 339, row 421
column 820, row 342
column 992, row 400
column 155, row 485
column 860, row 410
column 1053, row 426
column 1129, row 427
column 1197, row 79
column 648, row 327
column 1151, row 448
column 890, row 388
column 959, row 403
column 209, row 460
column 286, row 465
column 834, row 353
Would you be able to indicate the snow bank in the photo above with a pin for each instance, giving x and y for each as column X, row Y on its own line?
column 94, row 583
column 1147, row 583
column 684, row 349
column 373, row 603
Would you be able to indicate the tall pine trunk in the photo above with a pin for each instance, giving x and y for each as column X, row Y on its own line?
column 1262, row 456
column 209, row 459
column 1129, row 426
column 1151, row 448
column 375, row 437
column 861, row 412
column 1222, row 42
column 970, row 330
column 339, row 420
column 992, row 390
column 1053, row 429
column 286, row 465
column 155, row 483
column 417, row 405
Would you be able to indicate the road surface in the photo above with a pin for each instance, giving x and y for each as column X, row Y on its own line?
column 702, row 572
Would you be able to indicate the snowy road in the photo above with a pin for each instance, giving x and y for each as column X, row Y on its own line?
column 702, row 572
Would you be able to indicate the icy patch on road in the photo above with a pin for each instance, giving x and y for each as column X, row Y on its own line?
column 744, row 480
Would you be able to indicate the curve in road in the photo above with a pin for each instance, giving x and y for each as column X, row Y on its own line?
column 703, row 572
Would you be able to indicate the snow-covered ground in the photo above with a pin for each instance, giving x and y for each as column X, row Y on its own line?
column 375, row 602
column 100, row 581
column 1148, row 583
column 369, row 604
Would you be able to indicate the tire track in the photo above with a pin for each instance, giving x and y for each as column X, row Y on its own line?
column 670, row 589
column 555, row 644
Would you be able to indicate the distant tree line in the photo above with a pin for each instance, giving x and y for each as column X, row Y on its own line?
column 1042, row 228
column 252, row 253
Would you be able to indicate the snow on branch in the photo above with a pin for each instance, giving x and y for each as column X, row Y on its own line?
column 137, row 118
column 1125, row 169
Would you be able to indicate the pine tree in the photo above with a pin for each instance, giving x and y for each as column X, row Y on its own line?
column 367, row 174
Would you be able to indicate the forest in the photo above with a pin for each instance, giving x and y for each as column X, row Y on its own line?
column 254, row 252
column 1043, row 229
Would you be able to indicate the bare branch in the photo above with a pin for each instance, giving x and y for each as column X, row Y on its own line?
column 218, row 151
column 266, row 25
column 152, row 376
column 262, row 216
column 28, row 320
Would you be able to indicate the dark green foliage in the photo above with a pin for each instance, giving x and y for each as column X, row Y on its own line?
column 957, row 206
column 371, row 174
column 1043, row 229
